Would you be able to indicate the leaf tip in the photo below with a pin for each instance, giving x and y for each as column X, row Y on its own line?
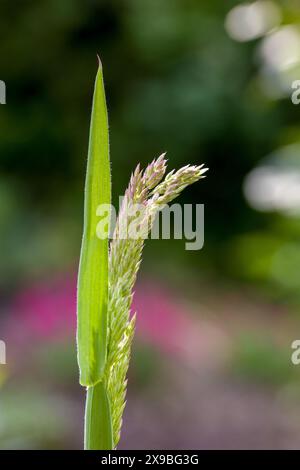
column 99, row 62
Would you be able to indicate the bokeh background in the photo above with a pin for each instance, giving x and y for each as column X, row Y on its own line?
column 208, row 81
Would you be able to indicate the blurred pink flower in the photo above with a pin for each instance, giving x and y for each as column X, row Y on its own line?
column 161, row 320
column 45, row 309
column 170, row 325
column 48, row 310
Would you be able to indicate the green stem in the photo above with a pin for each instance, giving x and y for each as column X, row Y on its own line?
column 98, row 427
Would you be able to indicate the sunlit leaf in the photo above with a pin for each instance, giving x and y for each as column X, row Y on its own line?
column 93, row 270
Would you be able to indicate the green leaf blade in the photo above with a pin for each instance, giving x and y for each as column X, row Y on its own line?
column 92, row 294
column 98, row 426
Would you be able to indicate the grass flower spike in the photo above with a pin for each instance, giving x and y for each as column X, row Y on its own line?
column 124, row 262
column 107, row 276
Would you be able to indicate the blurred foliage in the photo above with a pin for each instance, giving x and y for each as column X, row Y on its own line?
column 260, row 360
column 178, row 78
column 175, row 81
column 146, row 367
column 38, row 422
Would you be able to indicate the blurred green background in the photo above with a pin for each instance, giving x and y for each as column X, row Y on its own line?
column 205, row 81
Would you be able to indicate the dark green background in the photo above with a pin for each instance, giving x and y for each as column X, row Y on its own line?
column 176, row 82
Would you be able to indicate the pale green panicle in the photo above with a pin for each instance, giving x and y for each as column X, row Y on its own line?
column 124, row 262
